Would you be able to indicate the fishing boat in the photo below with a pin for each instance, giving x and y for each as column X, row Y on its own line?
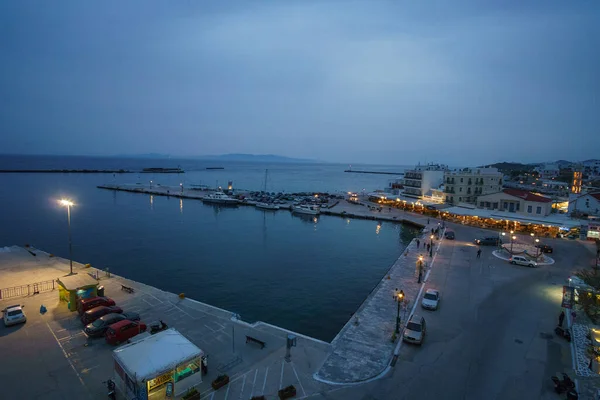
column 306, row 209
column 266, row 205
column 219, row 198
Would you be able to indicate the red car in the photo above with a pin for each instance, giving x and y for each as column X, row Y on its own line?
column 87, row 304
column 91, row 315
column 123, row 330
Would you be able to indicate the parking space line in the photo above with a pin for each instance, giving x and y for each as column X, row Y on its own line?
column 212, row 395
column 227, row 392
column 68, row 359
column 253, row 383
column 243, row 385
column 281, row 377
column 265, row 381
column 299, row 383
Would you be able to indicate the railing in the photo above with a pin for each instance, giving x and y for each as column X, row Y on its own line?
column 27, row 290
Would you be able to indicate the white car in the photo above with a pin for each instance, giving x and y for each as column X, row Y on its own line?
column 415, row 330
column 14, row 315
column 523, row 261
column 431, row 300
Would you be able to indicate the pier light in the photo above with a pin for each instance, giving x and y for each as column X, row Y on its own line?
column 399, row 297
column 514, row 238
column 68, row 203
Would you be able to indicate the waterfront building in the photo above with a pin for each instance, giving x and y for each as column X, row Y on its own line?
column 516, row 201
column 465, row 185
column 421, row 180
column 395, row 185
column 587, row 203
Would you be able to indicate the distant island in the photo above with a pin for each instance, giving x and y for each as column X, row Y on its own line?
column 255, row 158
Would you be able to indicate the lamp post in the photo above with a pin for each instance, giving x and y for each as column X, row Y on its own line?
column 431, row 246
column 419, row 268
column 150, row 184
column 512, row 238
column 532, row 235
column 502, row 239
column 181, row 186
column 399, row 296
column 68, row 204
column 537, row 253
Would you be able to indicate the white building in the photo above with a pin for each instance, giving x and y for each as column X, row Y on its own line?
column 465, row 185
column 420, row 181
column 587, row 203
column 517, row 201
column 548, row 171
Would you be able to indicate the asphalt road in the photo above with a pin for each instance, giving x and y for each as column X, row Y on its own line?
column 492, row 337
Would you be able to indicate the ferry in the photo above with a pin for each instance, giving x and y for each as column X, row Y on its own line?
column 219, row 198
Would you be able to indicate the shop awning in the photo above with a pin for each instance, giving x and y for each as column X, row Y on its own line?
column 74, row 282
column 154, row 355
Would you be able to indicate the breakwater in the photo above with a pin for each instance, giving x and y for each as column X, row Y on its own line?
column 373, row 172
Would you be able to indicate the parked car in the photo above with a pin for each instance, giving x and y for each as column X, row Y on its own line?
column 98, row 327
column 523, row 261
column 87, row 304
column 431, row 299
column 14, row 315
column 545, row 248
column 415, row 330
column 488, row 241
column 91, row 315
column 123, row 330
column 449, row 235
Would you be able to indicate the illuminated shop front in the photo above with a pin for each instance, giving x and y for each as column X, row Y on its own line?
column 160, row 366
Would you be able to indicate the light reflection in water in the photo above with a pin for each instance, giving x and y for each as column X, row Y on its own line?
column 378, row 228
column 151, row 202
column 181, row 206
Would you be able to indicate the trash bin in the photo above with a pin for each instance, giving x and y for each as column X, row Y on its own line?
column 100, row 291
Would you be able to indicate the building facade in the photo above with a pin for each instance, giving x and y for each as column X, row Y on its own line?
column 587, row 203
column 548, row 171
column 466, row 185
column 420, row 181
column 517, row 201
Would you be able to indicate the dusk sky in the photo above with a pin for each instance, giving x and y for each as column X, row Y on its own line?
column 456, row 82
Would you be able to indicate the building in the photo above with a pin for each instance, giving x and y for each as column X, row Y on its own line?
column 419, row 182
column 548, row 171
column 587, row 203
column 465, row 185
column 517, row 201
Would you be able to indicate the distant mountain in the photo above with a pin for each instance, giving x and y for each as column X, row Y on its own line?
column 256, row 158
column 512, row 166
column 148, row 155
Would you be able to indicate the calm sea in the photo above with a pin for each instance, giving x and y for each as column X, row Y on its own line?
column 304, row 274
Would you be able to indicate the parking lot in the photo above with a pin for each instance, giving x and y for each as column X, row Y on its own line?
column 58, row 359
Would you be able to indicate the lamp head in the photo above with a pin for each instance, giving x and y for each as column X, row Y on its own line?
column 65, row 202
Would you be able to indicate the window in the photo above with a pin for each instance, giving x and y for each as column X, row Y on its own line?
column 538, row 210
column 505, row 204
column 529, row 209
column 460, row 199
column 461, row 179
column 460, row 189
column 495, row 205
column 518, row 206
column 481, row 204
column 487, row 204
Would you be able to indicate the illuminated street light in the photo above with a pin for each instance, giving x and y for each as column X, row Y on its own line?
column 512, row 238
column 68, row 203
column 537, row 241
column 399, row 297
column 181, row 186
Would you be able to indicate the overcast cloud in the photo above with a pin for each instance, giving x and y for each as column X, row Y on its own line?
column 457, row 82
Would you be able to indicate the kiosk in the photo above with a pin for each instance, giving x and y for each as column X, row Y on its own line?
column 161, row 366
column 72, row 287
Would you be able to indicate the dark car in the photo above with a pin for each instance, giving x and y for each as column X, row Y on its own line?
column 488, row 241
column 91, row 315
column 449, row 235
column 123, row 330
column 99, row 326
column 87, row 304
column 545, row 248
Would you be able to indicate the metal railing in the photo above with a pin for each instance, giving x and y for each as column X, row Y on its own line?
column 27, row 290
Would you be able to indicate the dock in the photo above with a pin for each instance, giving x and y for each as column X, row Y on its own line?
column 373, row 172
column 67, row 171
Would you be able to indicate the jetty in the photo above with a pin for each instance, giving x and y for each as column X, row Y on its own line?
column 163, row 170
column 373, row 172
column 67, row 171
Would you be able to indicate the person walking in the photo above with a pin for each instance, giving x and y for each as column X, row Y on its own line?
column 561, row 318
column 428, row 246
column 479, row 253
column 427, row 221
column 418, row 243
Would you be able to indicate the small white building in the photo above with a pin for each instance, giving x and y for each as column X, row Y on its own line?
column 587, row 203
column 150, row 367
column 548, row 171
column 517, row 201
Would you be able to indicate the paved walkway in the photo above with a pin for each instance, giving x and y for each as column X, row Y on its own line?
column 363, row 350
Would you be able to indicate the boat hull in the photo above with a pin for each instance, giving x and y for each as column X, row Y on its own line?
column 264, row 206
column 306, row 211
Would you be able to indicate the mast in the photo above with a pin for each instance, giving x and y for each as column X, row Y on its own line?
column 266, row 172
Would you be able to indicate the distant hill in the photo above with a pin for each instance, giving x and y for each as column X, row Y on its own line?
column 256, row 158
column 512, row 166
column 148, row 155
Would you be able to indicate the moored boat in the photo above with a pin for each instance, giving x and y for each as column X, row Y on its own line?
column 306, row 209
column 219, row 198
column 267, row 206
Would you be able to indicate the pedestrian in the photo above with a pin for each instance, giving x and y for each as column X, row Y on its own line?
column 479, row 253
column 561, row 318
column 418, row 243
column 428, row 246
column 427, row 221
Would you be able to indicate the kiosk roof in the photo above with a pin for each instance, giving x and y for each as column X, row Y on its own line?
column 74, row 282
column 147, row 358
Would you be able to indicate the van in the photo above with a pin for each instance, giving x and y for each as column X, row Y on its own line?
column 449, row 234
column 520, row 260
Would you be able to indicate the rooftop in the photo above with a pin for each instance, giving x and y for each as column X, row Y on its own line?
column 74, row 282
column 526, row 195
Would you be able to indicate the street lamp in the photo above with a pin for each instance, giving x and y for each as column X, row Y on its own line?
column 431, row 244
column 181, row 186
column 398, row 297
column 150, row 184
column 68, row 204
column 511, row 242
column 537, row 253
column 502, row 239
column 532, row 235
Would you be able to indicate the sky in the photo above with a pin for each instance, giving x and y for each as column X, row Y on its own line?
column 391, row 82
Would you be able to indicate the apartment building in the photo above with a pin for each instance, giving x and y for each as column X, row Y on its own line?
column 465, row 185
column 420, row 181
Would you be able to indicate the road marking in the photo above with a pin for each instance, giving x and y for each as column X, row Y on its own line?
column 265, row 382
column 281, row 377
column 299, row 383
column 243, row 385
column 227, row 392
column 68, row 359
column 212, row 395
column 254, row 383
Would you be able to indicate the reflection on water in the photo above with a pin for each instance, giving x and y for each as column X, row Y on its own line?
column 311, row 219
column 151, row 202
column 378, row 228
column 181, row 206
